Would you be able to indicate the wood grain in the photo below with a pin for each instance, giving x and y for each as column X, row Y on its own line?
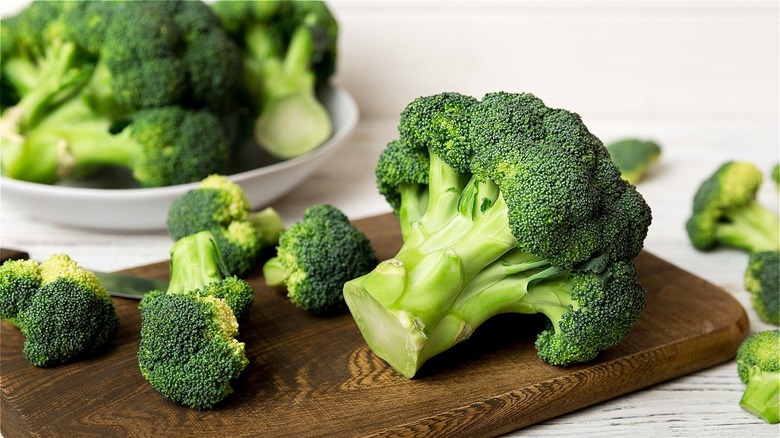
column 313, row 376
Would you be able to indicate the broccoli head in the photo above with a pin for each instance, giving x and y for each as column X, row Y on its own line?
column 61, row 309
column 726, row 212
column 758, row 366
column 316, row 256
column 222, row 207
column 289, row 47
column 188, row 350
column 519, row 209
column 634, row 157
column 762, row 280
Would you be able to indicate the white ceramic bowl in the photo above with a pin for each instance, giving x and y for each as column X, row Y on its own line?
column 137, row 209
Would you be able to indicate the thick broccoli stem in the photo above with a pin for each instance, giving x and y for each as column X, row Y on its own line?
column 195, row 262
column 401, row 320
column 761, row 395
column 751, row 227
column 291, row 121
column 414, row 201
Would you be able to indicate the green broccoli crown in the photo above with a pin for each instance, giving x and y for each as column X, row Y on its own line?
column 520, row 209
column 188, row 351
column 726, row 212
column 758, row 365
column 316, row 256
column 762, row 280
column 634, row 157
column 60, row 308
column 221, row 207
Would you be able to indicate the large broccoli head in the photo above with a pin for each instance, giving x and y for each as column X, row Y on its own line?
column 506, row 205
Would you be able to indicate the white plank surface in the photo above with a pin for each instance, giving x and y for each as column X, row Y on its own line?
column 700, row 77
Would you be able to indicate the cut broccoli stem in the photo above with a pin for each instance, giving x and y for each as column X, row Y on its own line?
column 195, row 263
column 268, row 224
column 274, row 272
column 292, row 121
column 762, row 394
column 751, row 227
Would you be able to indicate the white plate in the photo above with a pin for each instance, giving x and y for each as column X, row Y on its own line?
column 137, row 209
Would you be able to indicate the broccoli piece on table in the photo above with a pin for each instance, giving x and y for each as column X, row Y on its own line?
column 634, row 157
column 726, row 212
column 776, row 175
column 222, row 207
column 758, row 366
column 289, row 47
column 316, row 256
column 61, row 309
column 188, row 351
column 762, row 280
column 522, row 210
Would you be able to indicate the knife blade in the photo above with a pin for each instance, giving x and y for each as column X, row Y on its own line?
column 118, row 285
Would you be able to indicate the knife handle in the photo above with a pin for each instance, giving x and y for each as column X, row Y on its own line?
column 12, row 254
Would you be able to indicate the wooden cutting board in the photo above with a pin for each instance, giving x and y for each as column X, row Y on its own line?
column 313, row 376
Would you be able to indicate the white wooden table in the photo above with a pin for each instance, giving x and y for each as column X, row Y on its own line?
column 700, row 77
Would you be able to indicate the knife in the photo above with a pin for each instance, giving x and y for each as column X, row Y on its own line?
column 118, row 285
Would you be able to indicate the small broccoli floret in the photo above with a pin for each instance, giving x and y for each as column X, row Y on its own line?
column 726, row 212
column 634, row 157
column 289, row 47
column 316, row 256
column 762, row 280
column 506, row 205
column 60, row 308
column 188, row 351
column 221, row 206
column 758, row 366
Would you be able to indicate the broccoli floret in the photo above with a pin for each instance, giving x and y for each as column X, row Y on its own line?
column 188, row 351
column 762, row 280
column 776, row 175
column 316, row 256
column 103, row 73
column 221, row 206
column 726, row 212
column 758, row 366
column 522, row 211
column 634, row 157
column 61, row 309
column 289, row 47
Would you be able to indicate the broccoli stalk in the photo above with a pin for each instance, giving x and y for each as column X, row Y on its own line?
column 507, row 227
column 758, row 366
column 288, row 50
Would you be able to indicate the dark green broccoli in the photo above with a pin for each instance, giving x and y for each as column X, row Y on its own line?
column 634, row 157
column 316, row 256
column 96, row 67
column 221, row 206
column 61, row 309
column 726, row 212
column 289, row 47
column 188, row 351
column 758, row 366
column 762, row 280
column 522, row 211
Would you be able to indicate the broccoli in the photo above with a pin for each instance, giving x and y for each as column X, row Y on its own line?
column 634, row 157
column 762, row 280
column 758, row 366
column 726, row 212
column 89, row 76
column 188, row 350
column 316, row 256
column 522, row 210
column 776, row 175
column 221, row 206
column 289, row 47
column 61, row 309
